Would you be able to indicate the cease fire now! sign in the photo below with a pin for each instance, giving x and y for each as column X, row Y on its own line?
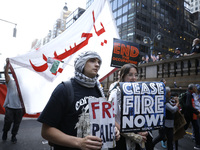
column 143, row 106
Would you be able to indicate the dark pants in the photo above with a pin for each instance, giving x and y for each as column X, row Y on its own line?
column 196, row 129
column 168, row 132
column 160, row 137
column 12, row 116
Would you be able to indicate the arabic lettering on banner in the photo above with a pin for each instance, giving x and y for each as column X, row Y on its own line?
column 38, row 72
column 124, row 52
column 102, row 121
column 143, row 106
column 67, row 53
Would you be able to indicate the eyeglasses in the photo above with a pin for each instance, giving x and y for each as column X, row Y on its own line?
column 134, row 75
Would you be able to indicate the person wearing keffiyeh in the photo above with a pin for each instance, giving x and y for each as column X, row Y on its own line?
column 59, row 124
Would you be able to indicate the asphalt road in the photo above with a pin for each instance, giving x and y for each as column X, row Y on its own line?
column 29, row 138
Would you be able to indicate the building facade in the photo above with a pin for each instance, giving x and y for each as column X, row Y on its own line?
column 67, row 18
column 136, row 19
column 193, row 5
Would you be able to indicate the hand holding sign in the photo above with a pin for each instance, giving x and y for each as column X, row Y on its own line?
column 91, row 142
column 102, row 121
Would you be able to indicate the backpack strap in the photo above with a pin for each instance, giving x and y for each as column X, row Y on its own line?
column 69, row 96
column 69, row 93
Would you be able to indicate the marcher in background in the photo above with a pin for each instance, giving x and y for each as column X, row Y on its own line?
column 197, row 101
column 171, row 109
column 163, row 142
column 177, row 53
column 128, row 73
column 164, row 81
column 14, row 111
column 191, row 114
column 160, row 56
column 58, row 123
column 195, row 47
column 143, row 61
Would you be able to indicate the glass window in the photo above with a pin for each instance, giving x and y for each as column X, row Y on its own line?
column 131, row 5
column 119, row 21
column 114, row 4
column 125, row 1
column 124, row 19
column 125, row 9
column 115, row 14
column 119, row 12
column 119, row 3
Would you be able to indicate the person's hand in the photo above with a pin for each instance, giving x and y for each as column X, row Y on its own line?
column 144, row 135
column 144, row 138
column 117, row 134
column 91, row 143
column 176, row 98
column 7, row 60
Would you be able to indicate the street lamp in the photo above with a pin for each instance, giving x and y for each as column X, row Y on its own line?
column 146, row 38
column 14, row 30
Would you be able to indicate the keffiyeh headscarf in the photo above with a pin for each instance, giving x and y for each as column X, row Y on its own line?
column 81, row 60
column 79, row 65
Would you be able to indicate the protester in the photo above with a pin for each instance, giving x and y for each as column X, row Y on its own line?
column 128, row 73
column 179, row 122
column 195, row 47
column 58, row 123
column 143, row 61
column 177, row 53
column 13, row 107
column 197, row 101
column 171, row 108
column 160, row 57
column 164, row 81
column 196, row 96
column 163, row 142
column 191, row 114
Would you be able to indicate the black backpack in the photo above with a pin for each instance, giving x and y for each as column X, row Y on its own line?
column 69, row 96
column 69, row 91
column 182, row 101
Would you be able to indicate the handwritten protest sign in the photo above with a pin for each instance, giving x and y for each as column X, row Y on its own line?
column 142, row 106
column 102, row 121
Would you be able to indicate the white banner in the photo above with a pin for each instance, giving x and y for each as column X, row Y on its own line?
column 40, row 71
column 102, row 121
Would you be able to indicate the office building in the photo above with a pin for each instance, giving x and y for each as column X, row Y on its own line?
column 136, row 19
column 193, row 5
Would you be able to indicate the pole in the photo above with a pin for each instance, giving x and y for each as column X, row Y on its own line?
column 14, row 30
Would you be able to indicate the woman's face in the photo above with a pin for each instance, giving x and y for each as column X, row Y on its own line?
column 131, row 76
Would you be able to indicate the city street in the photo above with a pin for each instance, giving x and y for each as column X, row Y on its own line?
column 29, row 138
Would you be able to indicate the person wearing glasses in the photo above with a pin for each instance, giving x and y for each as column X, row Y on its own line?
column 130, row 141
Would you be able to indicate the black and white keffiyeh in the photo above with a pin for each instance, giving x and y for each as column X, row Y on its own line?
column 79, row 65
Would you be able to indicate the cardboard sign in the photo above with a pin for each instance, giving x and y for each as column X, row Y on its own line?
column 124, row 52
column 102, row 121
column 142, row 106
